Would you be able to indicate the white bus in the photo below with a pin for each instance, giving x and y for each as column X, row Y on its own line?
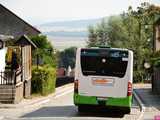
column 103, row 77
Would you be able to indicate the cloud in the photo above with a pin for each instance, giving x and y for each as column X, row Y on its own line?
column 41, row 11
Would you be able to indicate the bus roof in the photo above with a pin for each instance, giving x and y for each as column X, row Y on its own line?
column 123, row 49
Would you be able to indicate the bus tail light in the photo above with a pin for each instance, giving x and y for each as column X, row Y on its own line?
column 129, row 92
column 75, row 86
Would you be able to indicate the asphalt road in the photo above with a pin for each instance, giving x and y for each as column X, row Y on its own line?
column 61, row 107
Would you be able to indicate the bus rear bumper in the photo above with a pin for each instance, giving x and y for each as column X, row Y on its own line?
column 109, row 102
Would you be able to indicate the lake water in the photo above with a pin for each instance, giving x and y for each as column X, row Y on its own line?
column 61, row 43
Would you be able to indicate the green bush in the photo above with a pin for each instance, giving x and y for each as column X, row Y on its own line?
column 43, row 80
column 138, row 76
column 45, row 51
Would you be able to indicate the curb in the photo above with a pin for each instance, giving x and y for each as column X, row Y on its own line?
column 36, row 101
column 142, row 107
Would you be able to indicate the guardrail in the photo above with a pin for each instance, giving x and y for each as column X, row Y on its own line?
column 10, row 77
column 7, row 78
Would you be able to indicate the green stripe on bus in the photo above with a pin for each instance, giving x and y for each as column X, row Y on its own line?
column 124, row 102
column 91, row 100
column 79, row 99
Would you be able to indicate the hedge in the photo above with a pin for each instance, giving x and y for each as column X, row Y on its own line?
column 43, row 80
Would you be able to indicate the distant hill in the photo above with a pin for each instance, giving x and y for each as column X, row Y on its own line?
column 68, row 33
column 75, row 28
column 70, row 25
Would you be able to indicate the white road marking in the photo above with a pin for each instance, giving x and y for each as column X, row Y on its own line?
column 141, row 105
column 63, row 90
column 42, row 102
column 141, row 115
column 64, row 93
column 63, row 118
column 58, row 93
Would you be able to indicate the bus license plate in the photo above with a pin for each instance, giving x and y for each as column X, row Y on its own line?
column 101, row 98
column 102, row 81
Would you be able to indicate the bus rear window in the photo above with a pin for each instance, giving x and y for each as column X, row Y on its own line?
column 104, row 62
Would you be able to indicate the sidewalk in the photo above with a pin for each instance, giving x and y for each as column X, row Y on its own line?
column 36, row 100
column 151, row 101
column 144, row 91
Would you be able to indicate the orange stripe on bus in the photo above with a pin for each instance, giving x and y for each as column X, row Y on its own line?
column 100, row 81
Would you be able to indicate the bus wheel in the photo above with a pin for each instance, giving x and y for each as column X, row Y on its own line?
column 127, row 111
column 81, row 109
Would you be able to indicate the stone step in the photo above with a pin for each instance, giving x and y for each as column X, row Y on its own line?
column 9, row 101
column 7, row 87
column 6, row 96
column 7, row 91
column 10, row 93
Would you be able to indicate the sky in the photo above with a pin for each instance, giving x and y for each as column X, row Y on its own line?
column 42, row 11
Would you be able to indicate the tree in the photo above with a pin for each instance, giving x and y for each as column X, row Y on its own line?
column 92, row 37
column 42, row 42
column 132, row 30
column 67, row 57
column 45, row 51
column 114, row 30
column 98, row 35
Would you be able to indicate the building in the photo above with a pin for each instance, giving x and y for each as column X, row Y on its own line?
column 11, row 24
column 15, row 85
